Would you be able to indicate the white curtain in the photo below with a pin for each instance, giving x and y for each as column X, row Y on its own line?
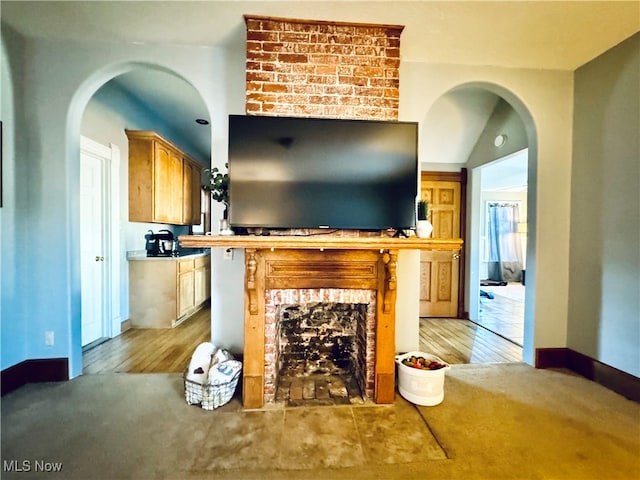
column 505, row 251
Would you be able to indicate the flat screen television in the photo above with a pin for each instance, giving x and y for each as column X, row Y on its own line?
column 287, row 173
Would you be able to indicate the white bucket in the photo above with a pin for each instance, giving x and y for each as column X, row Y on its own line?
column 422, row 387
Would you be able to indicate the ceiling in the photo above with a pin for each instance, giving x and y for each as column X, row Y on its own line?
column 554, row 35
column 560, row 35
column 173, row 99
column 508, row 174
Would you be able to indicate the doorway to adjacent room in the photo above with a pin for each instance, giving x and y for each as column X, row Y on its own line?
column 503, row 246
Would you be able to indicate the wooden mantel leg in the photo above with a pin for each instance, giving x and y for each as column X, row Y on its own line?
column 250, row 280
column 253, row 368
column 385, row 383
column 390, row 260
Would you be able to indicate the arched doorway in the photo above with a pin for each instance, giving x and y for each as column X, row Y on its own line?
column 470, row 111
column 132, row 96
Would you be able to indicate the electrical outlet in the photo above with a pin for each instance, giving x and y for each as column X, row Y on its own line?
column 48, row 338
column 228, row 254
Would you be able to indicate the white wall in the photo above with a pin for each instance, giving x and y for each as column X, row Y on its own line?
column 604, row 298
column 227, row 282
column 13, row 251
column 53, row 108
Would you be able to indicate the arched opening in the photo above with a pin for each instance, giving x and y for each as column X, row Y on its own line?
column 460, row 133
column 133, row 96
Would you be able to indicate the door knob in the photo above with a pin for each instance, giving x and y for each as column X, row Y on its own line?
column 456, row 256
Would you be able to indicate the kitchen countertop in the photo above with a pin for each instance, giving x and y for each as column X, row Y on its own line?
column 136, row 255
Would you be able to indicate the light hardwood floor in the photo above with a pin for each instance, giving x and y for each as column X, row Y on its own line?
column 169, row 350
column 462, row 341
column 504, row 313
column 150, row 350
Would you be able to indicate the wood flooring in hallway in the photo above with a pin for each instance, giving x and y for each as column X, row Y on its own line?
column 462, row 341
column 150, row 350
column 169, row 350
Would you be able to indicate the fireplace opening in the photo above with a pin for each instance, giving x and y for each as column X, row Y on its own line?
column 319, row 346
column 321, row 353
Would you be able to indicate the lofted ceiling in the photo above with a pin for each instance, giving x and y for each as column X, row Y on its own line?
column 172, row 99
column 558, row 35
column 453, row 125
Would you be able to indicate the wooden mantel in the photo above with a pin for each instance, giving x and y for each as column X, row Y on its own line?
column 318, row 242
column 318, row 261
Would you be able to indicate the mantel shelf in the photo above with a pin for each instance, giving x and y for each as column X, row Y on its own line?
column 317, row 242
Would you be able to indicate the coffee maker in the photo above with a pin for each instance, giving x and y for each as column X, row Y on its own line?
column 161, row 244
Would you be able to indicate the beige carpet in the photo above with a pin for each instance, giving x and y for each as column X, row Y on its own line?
column 496, row 421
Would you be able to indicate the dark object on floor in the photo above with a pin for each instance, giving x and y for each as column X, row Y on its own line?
column 492, row 283
column 486, row 294
column 522, row 277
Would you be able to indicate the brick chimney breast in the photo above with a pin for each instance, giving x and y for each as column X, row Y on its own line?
column 310, row 68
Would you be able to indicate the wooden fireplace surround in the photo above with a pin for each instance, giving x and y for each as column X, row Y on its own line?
column 307, row 262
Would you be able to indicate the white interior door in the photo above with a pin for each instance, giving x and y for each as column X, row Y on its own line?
column 92, row 246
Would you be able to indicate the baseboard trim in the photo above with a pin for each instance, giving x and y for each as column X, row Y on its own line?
column 620, row 382
column 34, row 371
column 125, row 325
column 552, row 358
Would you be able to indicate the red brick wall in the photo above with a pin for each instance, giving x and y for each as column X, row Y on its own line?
column 310, row 68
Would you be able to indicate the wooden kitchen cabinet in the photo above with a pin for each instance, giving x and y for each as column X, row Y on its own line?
column 191, row 186
column 164, row 182
column 186, row 286
column 202, row 279
column 164, row 292
column 167, row 185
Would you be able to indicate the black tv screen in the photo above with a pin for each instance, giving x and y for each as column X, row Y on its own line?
column 322, row 173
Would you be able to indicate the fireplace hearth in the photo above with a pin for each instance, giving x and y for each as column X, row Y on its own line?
column 318, row 390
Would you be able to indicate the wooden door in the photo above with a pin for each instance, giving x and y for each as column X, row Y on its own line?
column 439, row 283
column 444, row 206
column 440, row 279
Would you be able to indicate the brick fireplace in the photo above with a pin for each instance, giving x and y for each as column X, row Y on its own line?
column 278, row 280
column 309, row 68
column 275, row 264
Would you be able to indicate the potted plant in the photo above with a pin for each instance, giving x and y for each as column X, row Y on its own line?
column 218, row 185
column 423, row 225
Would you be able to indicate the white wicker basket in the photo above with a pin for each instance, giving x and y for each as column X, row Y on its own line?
column 210, row 396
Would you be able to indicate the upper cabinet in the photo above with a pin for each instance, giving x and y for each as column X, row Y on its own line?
column 191, row 186
column 164, row 182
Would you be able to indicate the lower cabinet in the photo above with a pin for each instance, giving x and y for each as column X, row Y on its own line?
column 202, row 279
column 163, row 292
column 186, row 286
